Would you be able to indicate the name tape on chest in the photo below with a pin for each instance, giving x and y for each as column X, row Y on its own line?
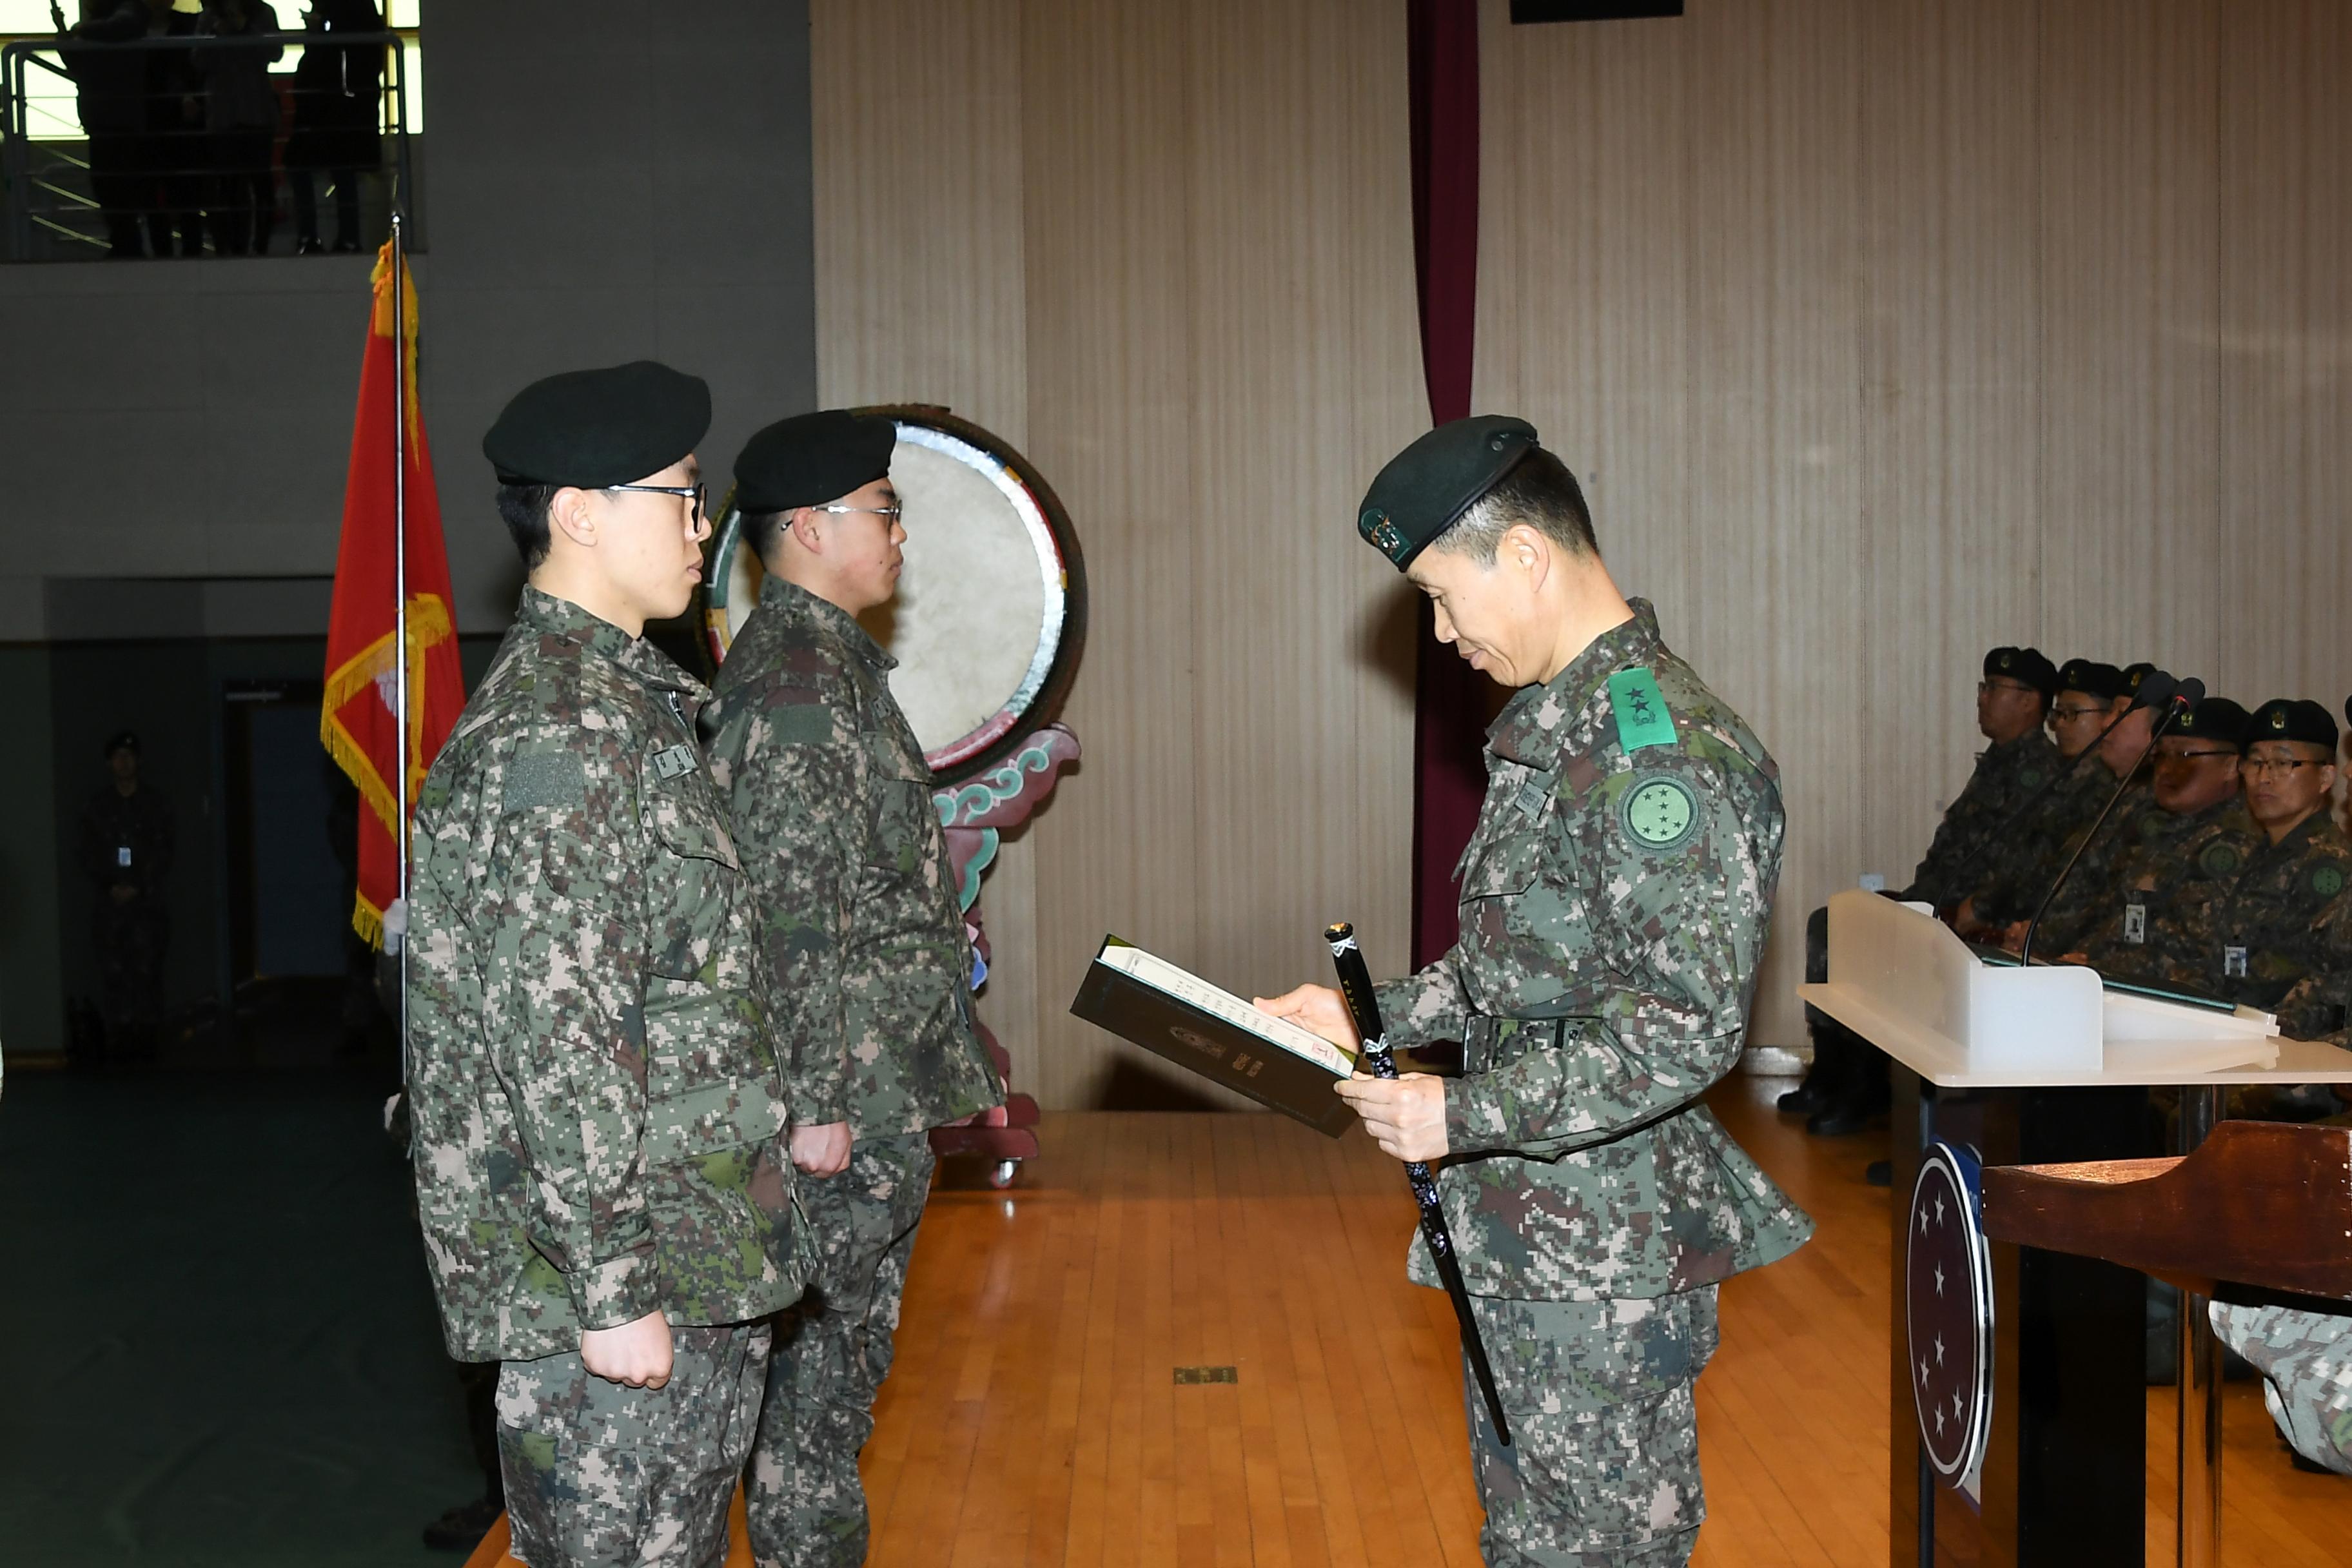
column 674, row 761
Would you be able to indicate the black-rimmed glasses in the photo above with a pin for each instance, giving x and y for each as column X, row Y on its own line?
column 698, row 522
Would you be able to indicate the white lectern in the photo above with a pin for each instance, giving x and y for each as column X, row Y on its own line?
column 2033, row 1066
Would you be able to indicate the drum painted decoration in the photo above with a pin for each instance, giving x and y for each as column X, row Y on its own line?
column 991, row 609
column 1948, row 1309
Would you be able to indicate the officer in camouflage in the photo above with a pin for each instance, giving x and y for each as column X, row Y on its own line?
column 2265, row 941
column 599, row 1125
column 1847, row 1084
column 2146, row 876
column 2305, row 1361
column 866, row 940
column 1615, row 899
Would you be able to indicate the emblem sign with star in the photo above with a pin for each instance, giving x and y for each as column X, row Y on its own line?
column 1949, row 1312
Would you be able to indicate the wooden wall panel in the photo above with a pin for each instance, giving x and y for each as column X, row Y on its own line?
column 1881, row 331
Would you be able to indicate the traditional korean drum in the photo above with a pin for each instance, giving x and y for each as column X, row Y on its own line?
column 992, row 603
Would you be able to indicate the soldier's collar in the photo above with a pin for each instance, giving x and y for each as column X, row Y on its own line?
column 797, row 603
column 1527, row 730
column 546, row 614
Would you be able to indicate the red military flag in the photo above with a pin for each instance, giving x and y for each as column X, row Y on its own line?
column 358, row 720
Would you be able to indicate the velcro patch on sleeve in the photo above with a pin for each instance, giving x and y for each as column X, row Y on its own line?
column 1640, row 709
column 536, row 779
column 804, row 724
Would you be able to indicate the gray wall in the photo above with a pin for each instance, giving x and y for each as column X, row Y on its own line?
column 601, row 189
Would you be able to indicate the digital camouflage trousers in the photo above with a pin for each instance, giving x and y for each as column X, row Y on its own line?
column 1602, row 1469
column 832, row 1350
column 598, row 1475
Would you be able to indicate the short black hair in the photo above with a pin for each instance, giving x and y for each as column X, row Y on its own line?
column 1539, row 491
column 525, row 507
column 759, row 530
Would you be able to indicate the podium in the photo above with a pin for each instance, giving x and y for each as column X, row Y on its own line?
column 2035, row 1067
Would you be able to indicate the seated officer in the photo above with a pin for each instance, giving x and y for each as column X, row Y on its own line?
column 2169, row 864
column 2026, row 864
column 1846, row 1081
column 2263, row 941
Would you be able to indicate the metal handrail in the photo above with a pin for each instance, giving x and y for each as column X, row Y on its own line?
column 17, row 181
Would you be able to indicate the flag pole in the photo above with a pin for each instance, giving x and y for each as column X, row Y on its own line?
column 400, row 600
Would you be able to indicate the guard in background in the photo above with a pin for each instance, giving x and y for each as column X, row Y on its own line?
column 1847, row 1083
column 126, row 852
column 872, row 965
column 599, row 1137
column 1615, row 899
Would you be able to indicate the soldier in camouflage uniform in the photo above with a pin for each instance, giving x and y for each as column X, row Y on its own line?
column 1847, row 1082
column 833, row 809
column 2305, row 1360
column 1615, row 898
column 2151, row 874
column 599, row 1153
column 2265, row 941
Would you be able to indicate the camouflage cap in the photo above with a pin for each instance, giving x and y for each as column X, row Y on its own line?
column 2293, row 719
column 2089, row 677
column 597, row 427
column 1426, row 488
column 2028, row 665
column 2214, row 719
column 812, row 458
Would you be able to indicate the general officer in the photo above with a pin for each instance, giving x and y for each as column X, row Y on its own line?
column 832, row 812
column 599, row 1149
column 1614, row 900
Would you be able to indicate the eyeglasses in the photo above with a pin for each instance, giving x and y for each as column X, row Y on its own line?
column 2184, row 757
column 2260, row 766
column 892, row 512
column 2068, row 715
column 698, row 522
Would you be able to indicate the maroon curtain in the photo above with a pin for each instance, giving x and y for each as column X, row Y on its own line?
column 1450, row 701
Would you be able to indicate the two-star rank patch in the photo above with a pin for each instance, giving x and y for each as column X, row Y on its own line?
column 1640, row 709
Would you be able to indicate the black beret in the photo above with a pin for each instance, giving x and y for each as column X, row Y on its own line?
column 1426, row 488
column 2025, row 664
column 2293, row 719
column 812, row 458
column 596, row 428
column 123, row 741
column 2090, row 676
column 2133, row 675
column 2214, row 719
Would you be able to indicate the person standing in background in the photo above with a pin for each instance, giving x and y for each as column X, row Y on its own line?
column 240, row 123
column 126, row 851
column 337, row 119
column 109, row 84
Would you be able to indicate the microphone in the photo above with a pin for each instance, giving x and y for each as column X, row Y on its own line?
column 2177, row 698
column 2155, row 688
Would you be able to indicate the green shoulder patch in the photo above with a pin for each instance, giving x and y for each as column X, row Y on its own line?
column 802, row 724
column 2220, row 859
column 1658, row 811
column 2327, row 881
column 548, row 778
column 1640, row 709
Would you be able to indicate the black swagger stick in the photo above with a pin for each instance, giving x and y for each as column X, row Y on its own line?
column 1375, row 1058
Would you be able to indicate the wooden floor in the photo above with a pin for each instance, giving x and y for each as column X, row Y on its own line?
column 1034, row 1418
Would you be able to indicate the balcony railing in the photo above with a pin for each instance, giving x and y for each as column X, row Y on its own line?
column 190, row 146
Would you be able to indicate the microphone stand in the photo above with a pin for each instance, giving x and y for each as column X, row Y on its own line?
column 2173, row 709
column 1986, row 838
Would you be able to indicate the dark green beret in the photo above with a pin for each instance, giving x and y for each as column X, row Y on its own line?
column 1426, row 488
column 2024, row 664
column 2091, row 677
column 596, row 428
column 812, row 458
column 2214, row 719
column 2293, row 719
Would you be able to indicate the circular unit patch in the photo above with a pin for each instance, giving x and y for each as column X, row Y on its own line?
column 2220, row 860
column 1659, row 811
column 1948, row 1313
column 2327, row 881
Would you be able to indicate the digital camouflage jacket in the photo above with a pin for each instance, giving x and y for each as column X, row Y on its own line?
column 593, row 1089
column 833, row 807
column 1615, row 898
column 2006, row 776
